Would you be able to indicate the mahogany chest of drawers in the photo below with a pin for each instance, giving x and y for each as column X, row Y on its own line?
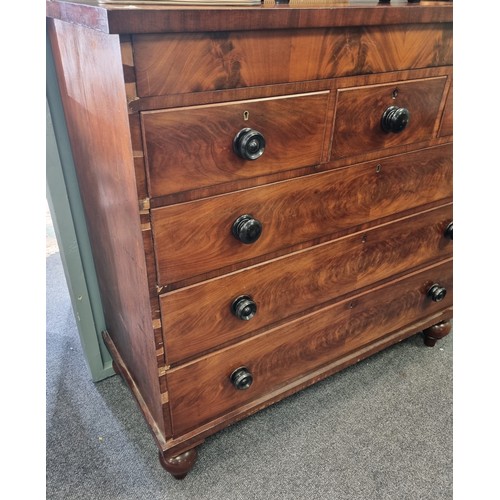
column 268, row 193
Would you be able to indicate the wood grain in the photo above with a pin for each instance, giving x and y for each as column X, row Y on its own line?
column 256, row 93
column 191, row 438
column 192, row 147
column 91, row 81
column 196, row 62
column 198, row 318
column 201, row 391
column 359, row 111
column 352, row 222
column 157, row 19
column 295, row 211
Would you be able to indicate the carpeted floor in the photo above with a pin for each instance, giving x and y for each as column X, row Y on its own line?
column 379, row 430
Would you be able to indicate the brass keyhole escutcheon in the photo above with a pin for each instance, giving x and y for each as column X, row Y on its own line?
column 246, row 115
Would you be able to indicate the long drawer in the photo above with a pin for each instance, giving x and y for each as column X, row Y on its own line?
column 203, row 316
column 196, row 237
column 202, row 390
column 195, row 62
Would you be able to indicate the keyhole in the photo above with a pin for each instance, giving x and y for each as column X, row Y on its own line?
column 246, row 115
column 395, row 93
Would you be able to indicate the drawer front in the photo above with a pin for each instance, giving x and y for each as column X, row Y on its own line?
column 358, row 126
column 196, row 237
column 195, row 62
column 201, row 317
column 202, row 390
column 188, row 148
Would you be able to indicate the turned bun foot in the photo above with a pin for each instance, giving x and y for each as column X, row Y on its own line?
column 179, row 465
column 436, row 332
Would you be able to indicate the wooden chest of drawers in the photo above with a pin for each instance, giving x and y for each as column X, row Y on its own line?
column 268, row 193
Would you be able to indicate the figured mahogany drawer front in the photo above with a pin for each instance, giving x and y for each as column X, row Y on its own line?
column 202, row 390
column 196, row 237
column 192, row 147
column 201, row 317
column 194, row 62
column 376, row 117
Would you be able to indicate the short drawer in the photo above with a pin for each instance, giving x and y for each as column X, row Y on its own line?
column 202, row 390
column 376, row 117
column 198, row 146
column 196, row 237
column 201, row 317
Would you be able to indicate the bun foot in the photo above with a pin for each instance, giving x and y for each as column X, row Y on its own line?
column 179, row 465
column 436, row 332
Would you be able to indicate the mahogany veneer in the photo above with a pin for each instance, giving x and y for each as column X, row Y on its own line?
column 196, row 138
column 268, row 193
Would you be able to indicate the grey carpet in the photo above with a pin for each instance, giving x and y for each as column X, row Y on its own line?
column 381, row 429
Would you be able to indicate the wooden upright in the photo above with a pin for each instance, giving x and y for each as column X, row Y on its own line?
column 268, row 193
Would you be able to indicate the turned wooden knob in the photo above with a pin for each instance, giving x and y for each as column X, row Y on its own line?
column 244, row 308
column 249, row 144
column 395, row 119
column 246, row 229
column 241, row 378
column 436, row 292
column 448, row 232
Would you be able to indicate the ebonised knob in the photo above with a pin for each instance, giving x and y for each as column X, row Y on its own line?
column 436, row 292
column 241, row 378
column 395, row 119
column 246, row 229
column 244, row 308
column 448, row 232
column 249, row 144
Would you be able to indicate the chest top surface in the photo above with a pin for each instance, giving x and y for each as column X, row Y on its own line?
column 150, row 18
